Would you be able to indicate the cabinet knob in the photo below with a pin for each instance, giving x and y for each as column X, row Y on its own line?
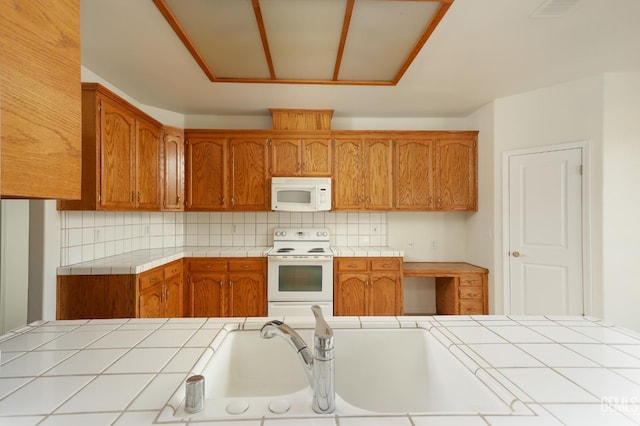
column 516, row 254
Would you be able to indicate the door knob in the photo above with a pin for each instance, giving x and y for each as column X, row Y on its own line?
column 515, row 254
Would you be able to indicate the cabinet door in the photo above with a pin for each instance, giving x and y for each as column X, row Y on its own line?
column 350, row 294
column 414, row 168
column 41, row 151
column 249, row 178
column 174, row 297
column 383, row 295
column 378, row 169
column 456, row 174
column 316, row 157
column 117, row 138
column 347, row 176
column 286, row 159
column 247, row 295
column 172, row 171
column 147, row 166
column 151, row 302
column 207, row 294
column 206, row 173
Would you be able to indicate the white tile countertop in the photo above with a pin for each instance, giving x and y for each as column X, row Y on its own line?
column 555, row 370
column 139, row 261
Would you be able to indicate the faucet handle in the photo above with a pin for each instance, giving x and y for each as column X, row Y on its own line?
column 323, row 334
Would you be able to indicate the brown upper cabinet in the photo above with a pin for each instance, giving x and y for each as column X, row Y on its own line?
column 417, row 171
column 456, row 174
column 206, row 172
column 249, row 173
column 301, row 156
column 40, row 103
column 363, row 174
column 120, row 154
column 227, row 170
column 172, row 170
column 414, row 174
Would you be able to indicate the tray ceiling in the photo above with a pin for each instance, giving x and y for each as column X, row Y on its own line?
column 357, row 42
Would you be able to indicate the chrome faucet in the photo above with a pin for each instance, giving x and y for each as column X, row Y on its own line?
column 319, row 364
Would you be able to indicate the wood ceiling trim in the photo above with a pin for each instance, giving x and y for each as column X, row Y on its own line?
column 343, row 38
column 263, row 36
column 444, row 6
column 177, row 28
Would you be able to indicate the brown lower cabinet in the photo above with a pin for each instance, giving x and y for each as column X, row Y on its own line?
column 368, row 286
column 157, row 293
column 227, row 287
column 161, row 292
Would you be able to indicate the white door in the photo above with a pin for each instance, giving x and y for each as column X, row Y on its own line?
column 545, row 233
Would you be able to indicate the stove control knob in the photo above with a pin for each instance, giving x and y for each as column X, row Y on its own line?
column 277, row 233
column 283, row 233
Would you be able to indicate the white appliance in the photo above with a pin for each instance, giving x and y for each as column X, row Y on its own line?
column 300, row 272
column 300, row 194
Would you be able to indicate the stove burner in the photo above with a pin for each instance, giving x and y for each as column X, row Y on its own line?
column 285, row 250
column 317, row 250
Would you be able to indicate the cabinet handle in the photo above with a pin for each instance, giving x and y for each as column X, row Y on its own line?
column 178, row 198
column 353, row 266
column 230, row 283
column 208, row 266
column 245, row 266
column 221, row 200
column 139, row 196
column 153, row 280
column 174, row 271
column 386, row 266
column 221, row 284
column 472, row 281
column 132, row 197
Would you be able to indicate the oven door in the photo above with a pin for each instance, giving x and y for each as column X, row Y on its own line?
column 299, row 279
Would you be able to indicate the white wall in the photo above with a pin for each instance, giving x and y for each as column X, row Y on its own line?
column 621, row 199
column 559, row 114
column 481, row 226
column 14, row 277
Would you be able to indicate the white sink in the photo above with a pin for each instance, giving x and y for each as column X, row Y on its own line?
column 377, row 370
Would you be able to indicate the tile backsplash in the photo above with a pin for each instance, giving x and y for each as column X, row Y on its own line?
column 90, row 235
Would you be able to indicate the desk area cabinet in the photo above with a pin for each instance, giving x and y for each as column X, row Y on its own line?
column 461, row 288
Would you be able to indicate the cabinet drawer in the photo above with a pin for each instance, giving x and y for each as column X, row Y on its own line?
column 470, row 280
column 385, row 264
column 470, row 292
column 204, row 265
column 150, row 278
column 471, row 308
column 239, row 265
column 174, row 268
column 351, row 264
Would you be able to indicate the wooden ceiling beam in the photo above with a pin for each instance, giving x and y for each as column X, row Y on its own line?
column 343, row 37
column 437, row 17
column 263, row 37
column 181, row 33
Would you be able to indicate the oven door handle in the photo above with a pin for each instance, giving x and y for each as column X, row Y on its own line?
column 299, row 258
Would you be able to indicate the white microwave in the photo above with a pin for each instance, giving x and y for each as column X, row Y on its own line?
column 300, row 194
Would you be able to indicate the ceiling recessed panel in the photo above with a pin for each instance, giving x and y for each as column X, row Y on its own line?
column 225, row 34
column 303, row 36
column 381, row 37
column 304, row 41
